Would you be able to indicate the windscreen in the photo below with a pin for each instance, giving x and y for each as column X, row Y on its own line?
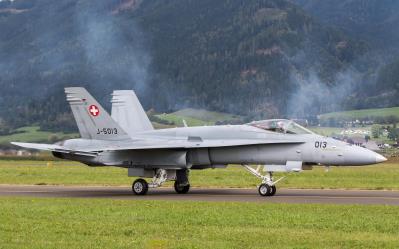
column 281, row 126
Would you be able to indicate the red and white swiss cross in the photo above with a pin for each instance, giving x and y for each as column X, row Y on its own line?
column 94, row 111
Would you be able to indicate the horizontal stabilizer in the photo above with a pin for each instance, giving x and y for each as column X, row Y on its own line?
column 54, row 148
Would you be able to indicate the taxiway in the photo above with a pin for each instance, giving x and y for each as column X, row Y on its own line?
column 208, row 194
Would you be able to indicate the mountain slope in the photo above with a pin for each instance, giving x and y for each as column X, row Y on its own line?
column 373, row 20
column 258, row 58
column 242, row 56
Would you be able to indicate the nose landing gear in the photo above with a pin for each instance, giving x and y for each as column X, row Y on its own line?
column 267, row 190
column 268, row 185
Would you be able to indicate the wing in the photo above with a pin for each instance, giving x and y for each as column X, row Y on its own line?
column 150, row 144
column 193, row 143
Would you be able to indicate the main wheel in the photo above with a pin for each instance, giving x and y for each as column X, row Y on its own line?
column 272, row 190
column 264, row 189
column 140, row 187
column 181, row 189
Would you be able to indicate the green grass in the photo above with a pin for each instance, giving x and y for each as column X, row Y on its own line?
column 32, row 134
column 325, row 131
column 99, row 223
column 205, row 115
column 196, row 117
column 178, row 120
column 383, row 176
column 357, row 114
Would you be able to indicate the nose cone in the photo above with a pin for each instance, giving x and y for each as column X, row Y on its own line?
column 379, row 158
column 355, row 155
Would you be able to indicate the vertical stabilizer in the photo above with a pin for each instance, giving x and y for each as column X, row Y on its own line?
column 92, row 120
column 128, row 112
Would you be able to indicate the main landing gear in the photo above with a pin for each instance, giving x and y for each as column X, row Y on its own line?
column 182, row 185
column 181, row 188
column 140, row 187
column 268, row 185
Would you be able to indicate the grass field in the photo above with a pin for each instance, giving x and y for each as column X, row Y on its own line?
column 98, row 223
column 325, row 131
column 205, row 115
column 104, row 223
column 383, row 176
column 32, row 134
column 196, row 117
column 357, row 114
column 178, row 120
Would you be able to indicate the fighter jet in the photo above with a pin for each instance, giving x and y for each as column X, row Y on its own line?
column 276, row 145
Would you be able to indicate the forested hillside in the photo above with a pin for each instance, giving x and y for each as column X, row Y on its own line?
column 375, row 22
column 263, row 58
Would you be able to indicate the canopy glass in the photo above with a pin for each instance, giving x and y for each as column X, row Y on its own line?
column 281, row 126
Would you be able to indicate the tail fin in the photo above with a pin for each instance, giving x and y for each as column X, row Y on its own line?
column 92, row 120
column 128, row 112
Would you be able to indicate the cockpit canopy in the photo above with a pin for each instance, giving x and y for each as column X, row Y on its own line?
column 280, row 126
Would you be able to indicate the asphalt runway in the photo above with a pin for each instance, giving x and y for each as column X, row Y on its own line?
column 204, row 194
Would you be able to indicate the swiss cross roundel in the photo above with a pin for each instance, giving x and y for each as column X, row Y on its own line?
column 94, row 111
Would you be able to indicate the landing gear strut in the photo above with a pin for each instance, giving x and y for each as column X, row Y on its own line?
column 268, row 185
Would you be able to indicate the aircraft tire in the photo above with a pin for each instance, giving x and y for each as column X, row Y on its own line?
column 181, row 189
column 140, row 187
column 264, row 189
column 273, row 190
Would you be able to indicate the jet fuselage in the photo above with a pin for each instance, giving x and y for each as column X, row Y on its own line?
column 308, row 148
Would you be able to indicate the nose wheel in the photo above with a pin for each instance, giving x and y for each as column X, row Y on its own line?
column 273, row 190
column 267, row 190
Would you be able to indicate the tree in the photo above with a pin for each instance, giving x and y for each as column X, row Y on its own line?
column 392, row 120
column 52, row 138
column 393, row 134
column 375, row 131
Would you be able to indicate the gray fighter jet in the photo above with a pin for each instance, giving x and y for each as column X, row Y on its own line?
column 127, row 139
